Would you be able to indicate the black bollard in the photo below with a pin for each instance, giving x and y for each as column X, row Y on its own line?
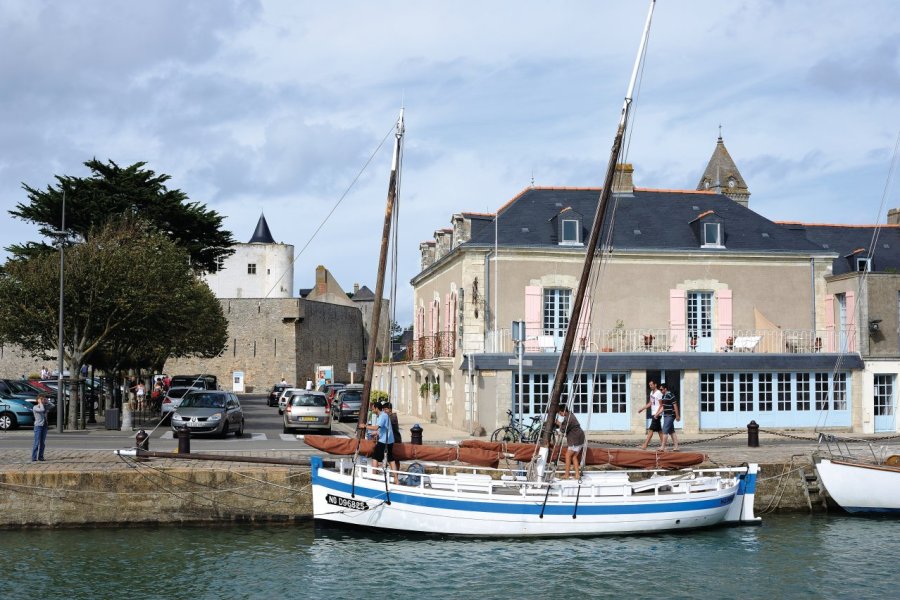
column 752, row 434
column 142, row 440
column 184, row 440
column 415, row 434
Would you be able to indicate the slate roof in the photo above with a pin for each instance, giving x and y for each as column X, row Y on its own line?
column 847, row 239
column 364, row 295
column 645, row 220
column 262, row 235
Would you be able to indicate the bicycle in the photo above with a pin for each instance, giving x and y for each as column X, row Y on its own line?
column 514, row 432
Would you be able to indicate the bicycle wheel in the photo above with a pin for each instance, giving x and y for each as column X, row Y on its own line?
column 505, row 434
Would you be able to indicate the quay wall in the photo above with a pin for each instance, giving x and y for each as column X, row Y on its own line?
column 147, row 494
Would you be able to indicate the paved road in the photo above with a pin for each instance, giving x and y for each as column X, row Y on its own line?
column 262, row 431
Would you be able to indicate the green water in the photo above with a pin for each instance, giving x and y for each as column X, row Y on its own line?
column 786, row 557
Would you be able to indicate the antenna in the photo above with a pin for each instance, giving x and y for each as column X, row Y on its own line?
column 720, row 132
column 532, row 177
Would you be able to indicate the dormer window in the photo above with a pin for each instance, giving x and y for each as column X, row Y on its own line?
column 567, row 227
column 863, row 264
column 712, row 235
column 570, row 232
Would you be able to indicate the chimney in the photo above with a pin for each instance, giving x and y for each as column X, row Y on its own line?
column 893, row 216
column 623, row 182
column 355, row 289
column 321, row 280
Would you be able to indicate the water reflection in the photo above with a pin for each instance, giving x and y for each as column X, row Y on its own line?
column 788, row 556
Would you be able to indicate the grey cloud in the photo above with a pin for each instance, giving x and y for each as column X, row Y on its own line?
column 872, row 73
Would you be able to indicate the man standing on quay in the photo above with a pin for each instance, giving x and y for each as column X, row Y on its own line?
column 40, row 429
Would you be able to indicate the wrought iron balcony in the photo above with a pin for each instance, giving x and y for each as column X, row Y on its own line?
column 439, row 345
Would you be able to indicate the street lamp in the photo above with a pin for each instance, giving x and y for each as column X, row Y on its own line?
column 61, row 238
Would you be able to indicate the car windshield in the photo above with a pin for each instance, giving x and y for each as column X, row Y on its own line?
column 203, row 401
column 351, row 397
column 21, row 387
column 308, row 400
column 178, row 392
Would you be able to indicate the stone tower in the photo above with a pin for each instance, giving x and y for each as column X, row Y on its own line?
column 722, row 176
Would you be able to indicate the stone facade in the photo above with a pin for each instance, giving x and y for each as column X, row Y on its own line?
column 281, row 338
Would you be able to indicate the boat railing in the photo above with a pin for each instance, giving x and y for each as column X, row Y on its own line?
column 839, row 448
column 506, row 482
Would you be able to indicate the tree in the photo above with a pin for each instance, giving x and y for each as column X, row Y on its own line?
column 111, row 192
column 125, row 282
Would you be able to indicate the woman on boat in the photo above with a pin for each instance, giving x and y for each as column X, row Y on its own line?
column 575, row 440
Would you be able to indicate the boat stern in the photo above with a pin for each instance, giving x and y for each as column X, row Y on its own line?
column 741, row 510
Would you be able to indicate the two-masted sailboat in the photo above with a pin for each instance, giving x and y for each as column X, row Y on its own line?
column 485, row 500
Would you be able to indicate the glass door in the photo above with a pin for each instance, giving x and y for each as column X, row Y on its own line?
column 884, row 402
column 699, row 321
column 557, row 305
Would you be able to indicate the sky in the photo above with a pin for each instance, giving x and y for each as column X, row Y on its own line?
column 256, row 106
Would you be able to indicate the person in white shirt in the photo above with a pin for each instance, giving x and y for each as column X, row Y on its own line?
column 655, row 425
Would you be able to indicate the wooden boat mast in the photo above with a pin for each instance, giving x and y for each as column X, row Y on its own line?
column 379, row 282
column 562, row 366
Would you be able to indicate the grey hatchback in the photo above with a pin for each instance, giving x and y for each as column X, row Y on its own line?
column 210, row 412
column 307, row 410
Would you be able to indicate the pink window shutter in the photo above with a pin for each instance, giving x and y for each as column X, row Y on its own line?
column 829, row 323
column 583, row 335
column 726, row 325
column 534, row 296
column 851, row 322
column 447, row 312
column 677, row 324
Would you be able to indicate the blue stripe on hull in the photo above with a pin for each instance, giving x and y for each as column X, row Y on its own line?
column 526, row 508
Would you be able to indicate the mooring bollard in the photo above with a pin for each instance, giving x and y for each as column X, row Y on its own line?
column 415, row 434
column 184, row 440
column 753, row 434
column 142, row 440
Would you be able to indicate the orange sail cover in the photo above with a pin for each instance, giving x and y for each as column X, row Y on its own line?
column 347, row 446
column 488, row 454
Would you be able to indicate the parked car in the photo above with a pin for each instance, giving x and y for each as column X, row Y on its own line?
column 18, row 388
column 212, row 412
column 283, row 398
column 276, row 392
column 206, row 382
column 173, row 398
column 347, row 402
column 330, row 389
column 14, row 412
column 307, row 410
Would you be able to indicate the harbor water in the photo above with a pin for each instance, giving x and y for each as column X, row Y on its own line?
column 789, row 556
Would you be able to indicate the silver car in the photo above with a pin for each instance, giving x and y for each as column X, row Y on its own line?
column 307, row 410
column 210, row 413
column 173, row 397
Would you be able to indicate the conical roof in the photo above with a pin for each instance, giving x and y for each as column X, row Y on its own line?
column 262, row 235
column 722, row 175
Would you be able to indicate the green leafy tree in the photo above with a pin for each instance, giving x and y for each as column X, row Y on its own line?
column 112, row 192
column 112, row 295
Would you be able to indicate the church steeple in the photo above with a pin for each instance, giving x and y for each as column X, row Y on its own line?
column 262, row 235
column 722, row 175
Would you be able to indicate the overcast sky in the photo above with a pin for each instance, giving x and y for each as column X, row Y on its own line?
column 275, row 106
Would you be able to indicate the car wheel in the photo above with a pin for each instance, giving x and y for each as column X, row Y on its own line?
column 7, row 421
column 225, row 429
column 240, row 430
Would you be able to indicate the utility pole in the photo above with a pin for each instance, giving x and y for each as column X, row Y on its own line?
column 60, row 395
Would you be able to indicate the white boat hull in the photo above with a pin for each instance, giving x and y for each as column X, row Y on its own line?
column 860, row 487
column 481, row 507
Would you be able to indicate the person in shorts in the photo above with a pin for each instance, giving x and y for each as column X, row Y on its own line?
column 575, row 439
column 670, row 414
column 653, row 405
column 384, row 447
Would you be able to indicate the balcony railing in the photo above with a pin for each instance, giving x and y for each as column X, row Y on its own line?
column 439, row 345
column 684, row 340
